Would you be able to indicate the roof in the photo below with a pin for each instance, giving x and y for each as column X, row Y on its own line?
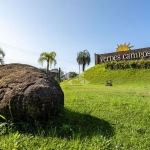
column 54, row 70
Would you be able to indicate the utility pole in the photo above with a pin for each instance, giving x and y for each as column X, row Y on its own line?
column 59, row 74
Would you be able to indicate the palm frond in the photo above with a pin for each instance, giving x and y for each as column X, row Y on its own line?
column 2, row 53
column 42, row 58
column 55, row 62
column 83, row 58
column 49, row 57
column 1, row 61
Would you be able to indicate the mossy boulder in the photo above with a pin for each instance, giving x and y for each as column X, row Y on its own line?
column 26, row 92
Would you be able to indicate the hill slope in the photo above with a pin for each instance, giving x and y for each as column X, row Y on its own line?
column 98, row 75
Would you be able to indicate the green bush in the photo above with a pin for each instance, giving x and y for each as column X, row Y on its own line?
column 72, row 74
column 135, row 64
column 57, row 79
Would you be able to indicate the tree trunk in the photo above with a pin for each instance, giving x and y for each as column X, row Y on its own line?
column 47, row 66
column 79, row 69
column 59, row 74
column 83, row 67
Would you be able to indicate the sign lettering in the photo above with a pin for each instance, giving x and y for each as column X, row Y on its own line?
column 126, row 55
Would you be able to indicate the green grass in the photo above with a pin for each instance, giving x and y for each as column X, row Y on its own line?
column 95, row 116
column 98, row 75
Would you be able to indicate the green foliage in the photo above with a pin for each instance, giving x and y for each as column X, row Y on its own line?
column 99, row 74
column 2, row 55
column 58, row 80
column 72, row 74
column 83, row 58
column 2, row 117
column 49, row 58
column 135, row 64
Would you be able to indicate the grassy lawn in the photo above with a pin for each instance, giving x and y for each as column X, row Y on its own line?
column 95, row 117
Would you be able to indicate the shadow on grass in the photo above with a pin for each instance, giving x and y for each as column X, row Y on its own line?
column 68, row 124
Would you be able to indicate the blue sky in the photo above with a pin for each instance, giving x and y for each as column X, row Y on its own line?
column 70, row 26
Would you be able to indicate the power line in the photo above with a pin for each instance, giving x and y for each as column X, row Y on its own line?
column 12, row 60
column 18, row 49
column 27, row 51
column 23, row 62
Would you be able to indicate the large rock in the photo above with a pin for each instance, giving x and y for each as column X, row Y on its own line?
column 26, row 92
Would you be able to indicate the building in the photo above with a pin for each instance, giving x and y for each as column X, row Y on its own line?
column 55, row 73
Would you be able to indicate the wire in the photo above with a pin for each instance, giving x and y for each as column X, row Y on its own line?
column 12, row 60
column 23, row 62
column 27, row 51
column 18, row 49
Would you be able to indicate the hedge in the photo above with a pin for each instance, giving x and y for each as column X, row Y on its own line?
column 136, row 64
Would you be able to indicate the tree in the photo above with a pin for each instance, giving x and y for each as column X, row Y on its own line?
column 49, row 58
column 2, row 55
column 83, row 59
column 72, row 74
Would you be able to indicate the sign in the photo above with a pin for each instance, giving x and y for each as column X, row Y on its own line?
column 123, row 54
column 124, row 47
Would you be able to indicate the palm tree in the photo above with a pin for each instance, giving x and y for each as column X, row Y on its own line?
column 83, row 58
column 2, row 55
column 49, row 58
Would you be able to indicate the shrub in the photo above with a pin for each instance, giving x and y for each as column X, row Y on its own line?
column 135, row 64
column 57, row 79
